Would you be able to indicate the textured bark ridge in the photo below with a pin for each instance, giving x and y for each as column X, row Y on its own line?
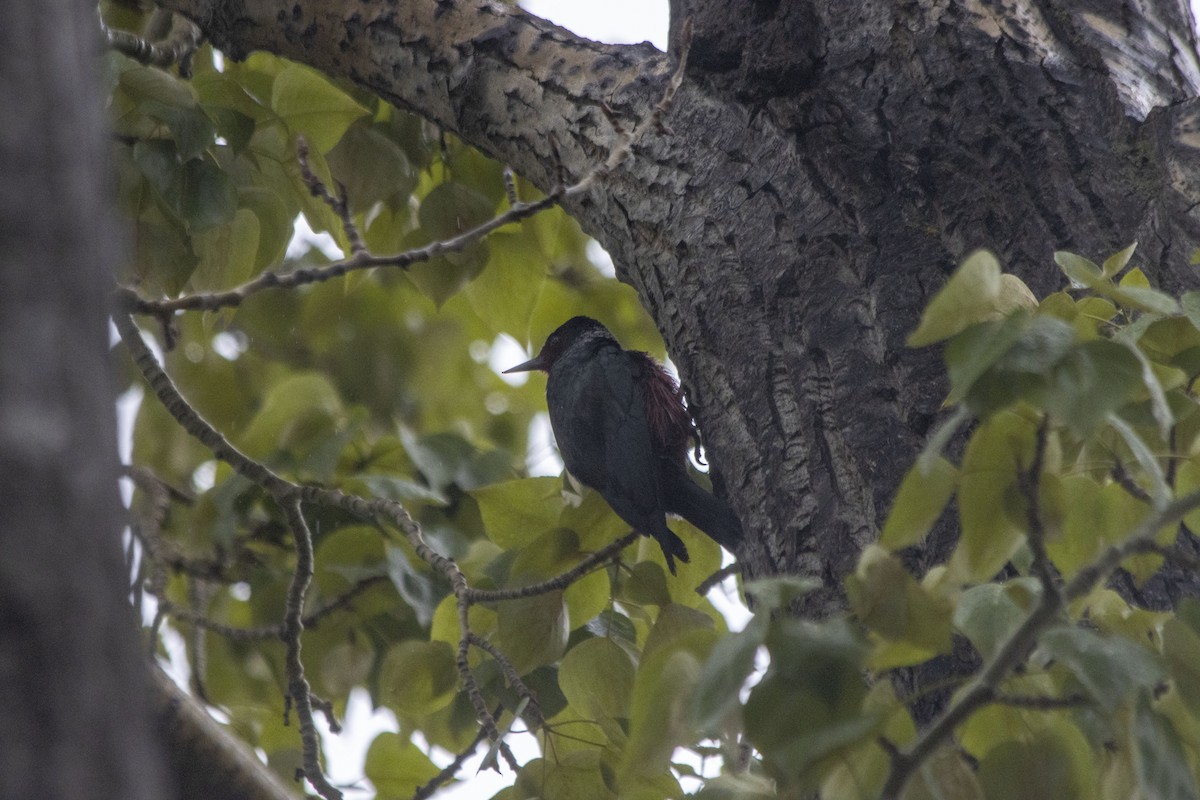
column 827, row 166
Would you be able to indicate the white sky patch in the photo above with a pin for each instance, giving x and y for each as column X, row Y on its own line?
column 611, row 21
column 230, row 345
column 506, row 353
column 600, row 257
column 304, row 237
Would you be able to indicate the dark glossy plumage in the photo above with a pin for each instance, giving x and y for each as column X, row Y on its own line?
column 623, row 430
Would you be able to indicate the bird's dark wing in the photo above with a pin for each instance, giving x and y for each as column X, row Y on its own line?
column 631, row 463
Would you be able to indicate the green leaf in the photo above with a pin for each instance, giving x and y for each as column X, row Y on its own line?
column 718, row 688
column 275, row 224
column 1117, row 261
column 310, row 104
column 814, row 676
column 392, row 487
column 971, row 353
column 923, row 495
column 150, row 83
column 1181, row 650
column 1158, row 398
column 1086, row 521
column 1146, row 459
column 1109, row 667
column 611, row 624
column 1160, row 764
column 516, row 512
column 452, row 208
column 1082, row 273
column 505, row 293
column 976, row 292
column 372, row 167
column 533, row 630
column 227, row 253
column 1055, row 761
column 202, row 195
column 778, row 591
column 596, row 676
column 674, row 621
column 396, row 767
column 417, row 678
column 163, row 258
column 988, row 614
column 990, row 507
column 1090, row 382
column 1190, row 303
column 418, row 588
column 658, row 713
column 587, row 597
column 892, row 604
column 297, row 413
column 345, row 667
column 191, row 128
column 444, row 628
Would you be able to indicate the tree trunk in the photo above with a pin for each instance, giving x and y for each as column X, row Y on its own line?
column 824, row 170
column 71, row 679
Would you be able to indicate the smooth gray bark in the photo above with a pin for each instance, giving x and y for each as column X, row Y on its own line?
column 72, row 681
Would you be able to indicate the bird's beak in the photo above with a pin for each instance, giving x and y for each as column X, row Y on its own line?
column 529, row 366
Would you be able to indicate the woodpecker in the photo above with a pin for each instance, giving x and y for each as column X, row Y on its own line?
column 623, row 430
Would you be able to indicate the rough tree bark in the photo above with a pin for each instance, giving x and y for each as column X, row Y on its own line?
column 825, row 169
column 76, row 713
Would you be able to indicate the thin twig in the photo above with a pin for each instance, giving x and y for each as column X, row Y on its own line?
column 1123, row 479
column 449, row 771
column 176, row 47
column 724, row 572
column 562, row 581
column 339, row 204
column 1038, row 702
column 510, row 674
column 264, row 632
column 298, row 688
column 1029, row 482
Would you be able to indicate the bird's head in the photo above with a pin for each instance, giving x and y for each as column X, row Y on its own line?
column 576, row 329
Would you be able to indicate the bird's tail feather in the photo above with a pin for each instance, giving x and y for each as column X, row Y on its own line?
column 704, row 510
column 672, row 546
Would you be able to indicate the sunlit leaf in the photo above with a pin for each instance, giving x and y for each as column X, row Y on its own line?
column 516, row 512
column 975, row 293
column 396, row 767
column 919, row 502
column 416, row 678
column 533, row 630
column 310, row 104
column 597, row 676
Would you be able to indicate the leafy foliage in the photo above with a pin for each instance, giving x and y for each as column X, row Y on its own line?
column 379, row 384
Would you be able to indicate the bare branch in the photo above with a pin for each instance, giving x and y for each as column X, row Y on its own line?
column 510, row 675
column 453, row 767
column 176, row 46
column 712, row 580
column 339, row 204
column 1029, row 480
column 298, row 688
column 557, row 582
